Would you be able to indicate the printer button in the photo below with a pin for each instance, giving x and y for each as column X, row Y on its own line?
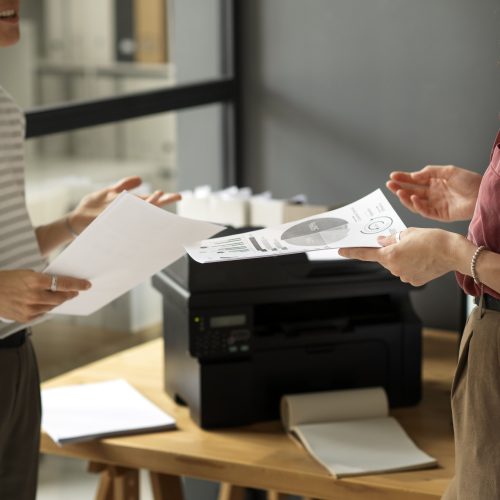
column 240, row 335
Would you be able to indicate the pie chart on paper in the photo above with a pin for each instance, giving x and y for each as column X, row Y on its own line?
column 316, row 232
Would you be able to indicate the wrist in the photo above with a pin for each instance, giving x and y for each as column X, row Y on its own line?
column 462, row 251
column 69, row 227
column 75, row 223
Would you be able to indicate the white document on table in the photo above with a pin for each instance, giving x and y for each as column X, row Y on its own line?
column 126, row 244
column 358, row 224
column 77, row 413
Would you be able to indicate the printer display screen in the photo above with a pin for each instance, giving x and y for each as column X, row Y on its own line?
column 228, row 321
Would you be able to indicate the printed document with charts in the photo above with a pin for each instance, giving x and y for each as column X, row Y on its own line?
column 351, row 433
column 358, row 224
column 77, row 413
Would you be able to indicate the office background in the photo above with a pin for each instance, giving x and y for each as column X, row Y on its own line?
column 337, row 93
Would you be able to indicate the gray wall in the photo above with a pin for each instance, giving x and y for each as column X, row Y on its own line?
column 340, row 92
column 195, row 38
column 196, row 32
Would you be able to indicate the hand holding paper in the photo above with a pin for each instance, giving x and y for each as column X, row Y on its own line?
column 126, row 244
column 358, row 224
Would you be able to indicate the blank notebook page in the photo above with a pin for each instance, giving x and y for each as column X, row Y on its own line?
column 350, row 431
column 362, row 446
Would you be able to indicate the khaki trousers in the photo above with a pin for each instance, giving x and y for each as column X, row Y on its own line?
column 20, row 413
column 475, row 399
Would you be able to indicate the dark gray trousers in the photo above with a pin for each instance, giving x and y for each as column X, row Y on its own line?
column 20, row 414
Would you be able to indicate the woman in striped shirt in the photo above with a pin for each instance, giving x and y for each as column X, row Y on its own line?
column 26, row 294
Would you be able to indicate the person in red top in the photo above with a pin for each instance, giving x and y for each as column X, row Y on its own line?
column 417, row 256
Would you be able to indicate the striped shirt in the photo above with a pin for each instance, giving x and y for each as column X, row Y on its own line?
column 18, row 244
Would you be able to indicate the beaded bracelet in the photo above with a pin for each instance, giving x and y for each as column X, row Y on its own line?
column 473, row 263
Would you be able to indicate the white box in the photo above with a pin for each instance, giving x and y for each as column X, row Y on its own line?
column 269, row 213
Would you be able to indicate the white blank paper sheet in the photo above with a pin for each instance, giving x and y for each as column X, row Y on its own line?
column 125, row 245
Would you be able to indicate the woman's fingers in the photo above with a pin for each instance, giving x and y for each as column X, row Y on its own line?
column 159, row 198
column 399, row 176
column 25, row 294
column 64, row 283
column 406, row 200
column 410, row 190
column 420, row 178
column 169, row 198
column 127, row 183
column 414, row 199
column 424, row 208
column 55, row 298
column 154, row 197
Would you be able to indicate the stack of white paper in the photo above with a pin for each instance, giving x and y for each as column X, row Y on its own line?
column 90, row 411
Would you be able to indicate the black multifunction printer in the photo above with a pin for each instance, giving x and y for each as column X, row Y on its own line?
column 238, row 335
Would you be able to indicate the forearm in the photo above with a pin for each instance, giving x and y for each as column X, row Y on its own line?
column 52, row 236
column 487, row 265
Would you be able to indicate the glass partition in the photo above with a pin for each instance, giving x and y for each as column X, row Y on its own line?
column 75, row 50
column 98, row 109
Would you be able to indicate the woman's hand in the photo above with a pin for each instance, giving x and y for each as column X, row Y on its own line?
column 444, row 193
column 93, row 204
column 26, row 295
column 419, row 257
column 60, row 232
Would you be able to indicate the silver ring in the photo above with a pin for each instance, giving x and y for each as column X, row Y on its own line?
column 53, row 283
column 398, row 236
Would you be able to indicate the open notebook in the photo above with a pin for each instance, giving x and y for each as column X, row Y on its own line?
column 90, row 411
column 351, row 433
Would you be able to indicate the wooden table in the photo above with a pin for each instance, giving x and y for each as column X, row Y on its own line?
column 261, row 455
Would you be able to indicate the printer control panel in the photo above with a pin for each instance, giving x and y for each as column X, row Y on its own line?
column 216, row 334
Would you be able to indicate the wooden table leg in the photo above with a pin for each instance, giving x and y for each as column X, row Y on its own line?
column 231, row 492
column 166, row 487
column 105, row 490
column 126, row 484
column 116, row 483
column 274, row 495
